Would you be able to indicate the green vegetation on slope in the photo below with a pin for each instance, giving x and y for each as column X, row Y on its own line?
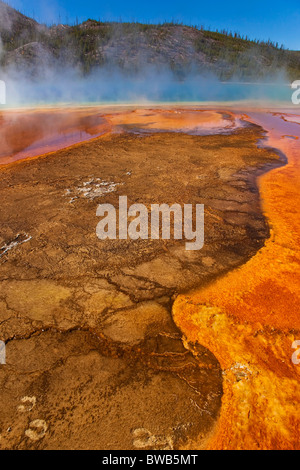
column 134, row 45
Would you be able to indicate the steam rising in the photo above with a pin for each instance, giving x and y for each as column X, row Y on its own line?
column 106, row 85
column 35, row 75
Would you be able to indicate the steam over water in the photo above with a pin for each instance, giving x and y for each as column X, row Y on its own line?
column 153, row 85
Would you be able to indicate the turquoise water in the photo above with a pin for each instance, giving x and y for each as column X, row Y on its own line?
column 181, row 92
column 119, row 89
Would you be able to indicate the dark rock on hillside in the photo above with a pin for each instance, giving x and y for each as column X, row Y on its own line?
column 132, row 46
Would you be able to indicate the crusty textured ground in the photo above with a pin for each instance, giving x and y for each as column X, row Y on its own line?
column 94, row 359
column 250, row 318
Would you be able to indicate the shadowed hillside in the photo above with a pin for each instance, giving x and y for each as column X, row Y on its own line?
column 132, row 46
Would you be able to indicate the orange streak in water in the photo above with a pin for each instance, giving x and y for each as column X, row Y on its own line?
column 34, row 133
column 250, row 317
column 170, row 119
column 27, row 134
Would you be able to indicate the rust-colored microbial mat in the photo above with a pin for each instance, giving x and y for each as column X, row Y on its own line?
column 89, row 327
column 178, row 119
column 250, row 318
column 26, row 134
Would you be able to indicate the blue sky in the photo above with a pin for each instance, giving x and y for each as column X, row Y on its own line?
column 277, row 20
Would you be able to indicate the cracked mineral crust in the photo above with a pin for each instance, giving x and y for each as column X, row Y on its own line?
column 94, row 359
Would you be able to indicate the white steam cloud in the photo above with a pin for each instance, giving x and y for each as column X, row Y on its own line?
column 35, row 75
